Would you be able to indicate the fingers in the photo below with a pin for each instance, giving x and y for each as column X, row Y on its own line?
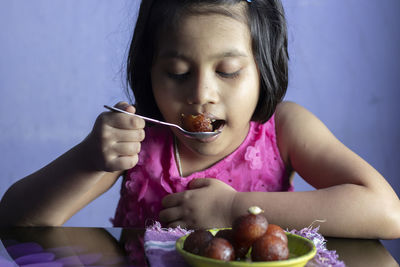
column 198, row 183
column 171, row 215
column 116, row 139
column 208, row 202
column 177, row 216
column 123, row 135
column 125, row 106
column 177, row 209
column 173, row 200
column 121, row 120
column 178, row 199
column 126, row 149
column 173, row 212
column 121, row 156
column 121, row 163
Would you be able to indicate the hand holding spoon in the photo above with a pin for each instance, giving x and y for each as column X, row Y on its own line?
column 194, row 135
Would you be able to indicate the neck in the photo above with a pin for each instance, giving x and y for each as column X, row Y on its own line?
column 187, row 162
column 192, row 161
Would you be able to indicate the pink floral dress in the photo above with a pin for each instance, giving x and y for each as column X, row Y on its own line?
column 256, row 165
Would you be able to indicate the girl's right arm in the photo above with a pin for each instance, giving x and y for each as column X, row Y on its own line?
column 53, row 194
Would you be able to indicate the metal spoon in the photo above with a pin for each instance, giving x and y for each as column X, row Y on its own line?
column 194, row 135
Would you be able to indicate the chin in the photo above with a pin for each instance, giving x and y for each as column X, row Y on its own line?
column 219, row 147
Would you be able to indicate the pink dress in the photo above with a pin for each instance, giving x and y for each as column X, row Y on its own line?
column 256, row 165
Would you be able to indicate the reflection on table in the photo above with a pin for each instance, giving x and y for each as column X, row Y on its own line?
column 81, row 246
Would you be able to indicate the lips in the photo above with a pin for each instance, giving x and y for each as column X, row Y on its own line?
column 201, row 122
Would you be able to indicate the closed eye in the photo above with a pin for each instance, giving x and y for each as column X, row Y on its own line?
column 178, row 76
column 230, row 75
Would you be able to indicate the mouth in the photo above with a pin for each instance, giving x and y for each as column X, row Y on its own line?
column 201, row 123
column 217, row 124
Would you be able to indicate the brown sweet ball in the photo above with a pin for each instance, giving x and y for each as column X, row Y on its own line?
column 248, row 228
column 240, row 252
column 197, row 241
column 197, row 123
column 269, row 248
column 277, row 231
column 225, row 233
column 219, row 249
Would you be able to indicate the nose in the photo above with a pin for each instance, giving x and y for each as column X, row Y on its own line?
column 203, row 90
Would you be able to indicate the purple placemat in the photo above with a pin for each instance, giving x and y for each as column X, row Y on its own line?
column 324, row 257
column 159, row 245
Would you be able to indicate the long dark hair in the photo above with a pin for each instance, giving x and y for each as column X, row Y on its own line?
column 267, row 24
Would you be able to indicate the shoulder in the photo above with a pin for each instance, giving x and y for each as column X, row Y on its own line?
column 297, row 127
column 290, row 111
column 283, row 123
column 310, row 148
column 294, row 120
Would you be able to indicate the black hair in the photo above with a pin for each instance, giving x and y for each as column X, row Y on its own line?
column 267, row 24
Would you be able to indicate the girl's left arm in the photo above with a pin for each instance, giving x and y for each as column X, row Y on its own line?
column 353, row 198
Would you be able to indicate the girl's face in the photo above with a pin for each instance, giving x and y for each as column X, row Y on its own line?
column 207, row 66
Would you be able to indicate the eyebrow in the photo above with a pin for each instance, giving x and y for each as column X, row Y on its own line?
column 225, row 54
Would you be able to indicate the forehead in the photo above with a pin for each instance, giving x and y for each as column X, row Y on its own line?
column 175, row 14
column 211, row 34
column 169, row 18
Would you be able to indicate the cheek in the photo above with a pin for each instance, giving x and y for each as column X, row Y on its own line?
column 243, row 102
column 163, row 89
column 166, row 102
column 163, row 103
column 159, row 90
column 160, row 98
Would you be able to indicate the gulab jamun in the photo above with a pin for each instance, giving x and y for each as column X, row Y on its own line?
column 277, row 231
column 197, row 241
column 225, row 233
column 219, row 249
column 269, row 248
column 248, row 228
column 240, row 251
column 197, row 123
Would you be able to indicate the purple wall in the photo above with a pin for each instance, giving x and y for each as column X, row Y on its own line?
column 60, row 61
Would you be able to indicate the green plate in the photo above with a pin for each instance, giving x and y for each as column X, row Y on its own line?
column 301, row 250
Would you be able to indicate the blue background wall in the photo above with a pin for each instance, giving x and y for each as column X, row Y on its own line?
column 60, row 61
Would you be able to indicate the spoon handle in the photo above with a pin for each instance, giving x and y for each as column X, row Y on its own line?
column 142, row 117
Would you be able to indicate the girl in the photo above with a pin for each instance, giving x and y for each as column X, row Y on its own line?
column 226, row 59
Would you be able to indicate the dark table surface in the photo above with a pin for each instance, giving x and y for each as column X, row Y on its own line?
column 124, row 247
